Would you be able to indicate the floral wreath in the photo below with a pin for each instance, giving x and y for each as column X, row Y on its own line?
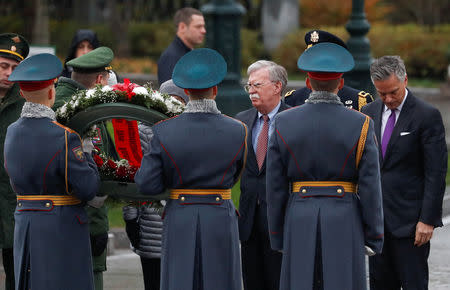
column 126, row 92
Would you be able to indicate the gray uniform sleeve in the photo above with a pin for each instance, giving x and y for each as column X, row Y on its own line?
column 369, row 191
column 277, row 189
column 149, row 177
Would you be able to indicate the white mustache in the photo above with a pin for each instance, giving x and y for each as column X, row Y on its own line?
column 253, row 96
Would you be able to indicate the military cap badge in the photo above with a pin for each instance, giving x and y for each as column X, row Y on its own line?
column 314, row 36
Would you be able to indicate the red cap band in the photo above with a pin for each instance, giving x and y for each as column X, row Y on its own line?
column 35, row 86
column 325, row 76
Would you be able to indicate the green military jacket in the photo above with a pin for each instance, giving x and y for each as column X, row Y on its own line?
column 10, row 108
column 65, row 89
column 98, row 218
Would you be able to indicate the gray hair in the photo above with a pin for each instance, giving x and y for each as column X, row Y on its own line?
column 382, row 68
column 277, row 73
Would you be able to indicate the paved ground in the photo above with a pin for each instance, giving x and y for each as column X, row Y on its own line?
column 124, row 270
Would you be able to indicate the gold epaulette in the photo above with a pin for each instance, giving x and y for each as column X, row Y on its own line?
column 362, row 99
column 289, row 93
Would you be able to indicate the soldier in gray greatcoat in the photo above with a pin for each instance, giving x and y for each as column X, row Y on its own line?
column 323, row 182
column 198, row 156
column 53, row 176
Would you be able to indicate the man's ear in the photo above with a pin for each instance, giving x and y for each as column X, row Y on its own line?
column 98, row 79
column 181, row 27
column 215, row 91
column 186, row 91
column 341, row 83
column 278, row 86
column 308, row 83
column 51, row 93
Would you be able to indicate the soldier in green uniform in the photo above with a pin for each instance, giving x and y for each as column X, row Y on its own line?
column 13, row 49
column 90, row 70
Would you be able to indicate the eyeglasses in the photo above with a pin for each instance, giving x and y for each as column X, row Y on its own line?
column 256, row 86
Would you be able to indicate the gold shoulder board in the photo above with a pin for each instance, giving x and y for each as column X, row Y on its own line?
column 289, row 93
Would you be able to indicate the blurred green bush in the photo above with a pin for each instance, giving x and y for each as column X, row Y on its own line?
column 424, row 50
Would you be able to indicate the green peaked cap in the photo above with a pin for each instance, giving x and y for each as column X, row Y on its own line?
column 13, row 46
column 96, row 60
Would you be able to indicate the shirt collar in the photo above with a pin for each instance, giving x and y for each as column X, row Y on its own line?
column 399, row 108
column 272, row 113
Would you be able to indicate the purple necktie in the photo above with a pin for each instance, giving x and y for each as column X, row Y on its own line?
column 388, row 132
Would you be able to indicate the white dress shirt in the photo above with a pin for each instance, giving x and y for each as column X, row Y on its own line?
column 387, row 113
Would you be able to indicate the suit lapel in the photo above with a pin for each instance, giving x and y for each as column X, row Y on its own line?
column 405, row 118
column 251, row 157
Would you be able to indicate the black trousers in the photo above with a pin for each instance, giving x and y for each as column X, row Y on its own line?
column 261, row 266
column 151, row 270
column 8, row 265
column 401, row 265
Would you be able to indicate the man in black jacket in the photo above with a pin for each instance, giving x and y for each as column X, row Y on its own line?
column 191, row 31
column 413, row 165
column 261, row 265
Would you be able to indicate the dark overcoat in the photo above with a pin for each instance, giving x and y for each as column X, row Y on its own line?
column 51, row 242
column 200, row 238
column 318, row 142
column 350, row 97
column 169, row 59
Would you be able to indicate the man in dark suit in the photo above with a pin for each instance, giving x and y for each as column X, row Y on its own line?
column 413, row 164
column 350, row 97
column 261, row 265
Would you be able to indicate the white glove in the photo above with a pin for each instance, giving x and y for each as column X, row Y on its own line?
column 369, row 251
column 97, row 201
column 88, row 146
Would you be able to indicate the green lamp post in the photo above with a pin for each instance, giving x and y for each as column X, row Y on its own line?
column 359, row 46
column 223, row 33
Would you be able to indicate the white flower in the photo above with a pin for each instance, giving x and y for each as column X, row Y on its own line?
column 157, row 96
column 90, row 93
column 107, row 88
column 140, row 91
column 122, row 162
column 62, row 110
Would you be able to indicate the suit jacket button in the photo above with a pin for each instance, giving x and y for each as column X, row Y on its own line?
column 182, row 198
column 47, row 204
column 339, row 191
column 303, row 190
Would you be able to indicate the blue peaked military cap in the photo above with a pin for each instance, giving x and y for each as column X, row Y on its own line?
column 326, row 57
column 39, row 67
column 314, row 37
column 200, row 68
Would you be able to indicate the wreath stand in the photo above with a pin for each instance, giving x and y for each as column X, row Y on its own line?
column 82, row 121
